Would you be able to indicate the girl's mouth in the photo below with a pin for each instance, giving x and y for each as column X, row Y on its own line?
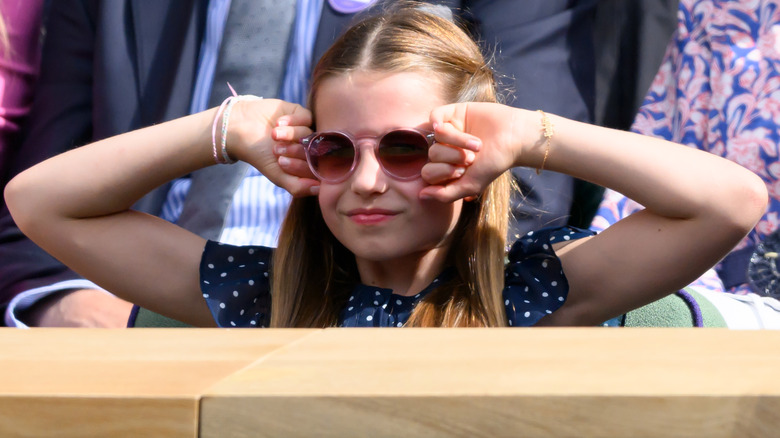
column 372, row 216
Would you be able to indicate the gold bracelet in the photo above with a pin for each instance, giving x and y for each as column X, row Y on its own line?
column 547, row 127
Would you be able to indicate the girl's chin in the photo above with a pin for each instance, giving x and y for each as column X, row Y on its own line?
column 379, row 253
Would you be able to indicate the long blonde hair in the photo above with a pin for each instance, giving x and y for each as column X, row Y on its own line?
column 313, row 273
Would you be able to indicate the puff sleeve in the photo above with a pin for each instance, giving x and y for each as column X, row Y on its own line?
column 235, row 283
column 534, row 284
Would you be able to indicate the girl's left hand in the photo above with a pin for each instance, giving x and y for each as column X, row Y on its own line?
column 475, row 143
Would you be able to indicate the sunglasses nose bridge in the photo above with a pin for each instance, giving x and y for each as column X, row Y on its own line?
column 366, row 156
column 365, row 143
column 366, row 148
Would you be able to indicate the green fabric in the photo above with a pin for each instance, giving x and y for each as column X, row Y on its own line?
column 147, row 318
column 669, row 311
column 709, row 313
column 673, row 311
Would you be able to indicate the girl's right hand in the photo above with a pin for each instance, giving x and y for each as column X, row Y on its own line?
column 266, row 133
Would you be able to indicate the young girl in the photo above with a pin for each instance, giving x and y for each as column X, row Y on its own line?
column 401, row 205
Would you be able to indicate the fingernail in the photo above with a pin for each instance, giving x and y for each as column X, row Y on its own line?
column 284, row 161
column 281, row 150
column 435, row 125
column 425, row 197
column 459, row 171
column 470, row 157
column 474, row 144
column 282, row 122
column 315, row 190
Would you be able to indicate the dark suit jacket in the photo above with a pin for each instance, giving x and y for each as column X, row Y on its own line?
column 110, row 67
column 107, row 67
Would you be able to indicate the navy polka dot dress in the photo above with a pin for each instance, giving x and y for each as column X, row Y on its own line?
column 235, row 285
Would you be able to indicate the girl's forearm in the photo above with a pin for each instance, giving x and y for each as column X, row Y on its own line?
column 698, row 207
column 110, row 175
column 668, row 179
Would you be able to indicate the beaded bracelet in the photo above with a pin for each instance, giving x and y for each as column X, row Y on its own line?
column 547, row 127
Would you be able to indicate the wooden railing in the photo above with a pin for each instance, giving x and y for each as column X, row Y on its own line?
column 585, row 382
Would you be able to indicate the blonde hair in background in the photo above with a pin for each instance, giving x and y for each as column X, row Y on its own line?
column 313, row 273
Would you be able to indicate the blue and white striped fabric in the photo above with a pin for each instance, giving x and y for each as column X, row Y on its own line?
column 248, row 222
column 296, row 81
column 258, row 206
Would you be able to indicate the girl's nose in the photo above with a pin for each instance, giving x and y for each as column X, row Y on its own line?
column 368, row 177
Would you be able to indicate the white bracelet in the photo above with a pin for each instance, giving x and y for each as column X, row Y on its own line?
column 229, row 102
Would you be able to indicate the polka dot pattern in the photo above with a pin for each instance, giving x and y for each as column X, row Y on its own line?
column 369, row 306
column 534, row 285
column 234, row 282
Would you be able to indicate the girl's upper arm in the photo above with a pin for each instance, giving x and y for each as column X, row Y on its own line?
column 634, row 262
column 151, row 262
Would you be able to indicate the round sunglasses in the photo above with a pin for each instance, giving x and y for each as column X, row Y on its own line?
column 334, row 155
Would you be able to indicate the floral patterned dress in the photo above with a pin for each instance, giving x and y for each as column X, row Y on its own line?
column 718, row 90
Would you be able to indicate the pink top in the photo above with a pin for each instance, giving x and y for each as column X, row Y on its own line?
column 19, row 65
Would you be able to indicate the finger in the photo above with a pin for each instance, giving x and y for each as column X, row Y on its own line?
column 296, row 186
column 305, row 187
column 438, row 173
column 449, row 134
column 295, row 115
column 442, row 153
column 292, row 133
column 447, row 193
column 291, row 150
column 295, row 167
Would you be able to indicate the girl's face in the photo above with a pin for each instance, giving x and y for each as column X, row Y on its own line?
column 378, row 217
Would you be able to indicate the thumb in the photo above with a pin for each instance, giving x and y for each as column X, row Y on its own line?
column 443, row 114
column 294, row 115
column 300, row 187
column 454, row 114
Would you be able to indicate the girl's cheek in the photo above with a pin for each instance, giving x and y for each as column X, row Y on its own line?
column 327, row 198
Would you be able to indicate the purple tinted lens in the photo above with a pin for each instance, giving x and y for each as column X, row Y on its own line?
column 403, row 153
column 331, row 155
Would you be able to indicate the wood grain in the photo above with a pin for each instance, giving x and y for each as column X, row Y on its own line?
column 117, row 383
column 583, row 382
column 506, row 382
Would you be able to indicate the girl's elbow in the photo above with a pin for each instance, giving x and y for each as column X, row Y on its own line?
column 21, row 203
column 741, row 207
column 14, row 196
column 755, row 198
